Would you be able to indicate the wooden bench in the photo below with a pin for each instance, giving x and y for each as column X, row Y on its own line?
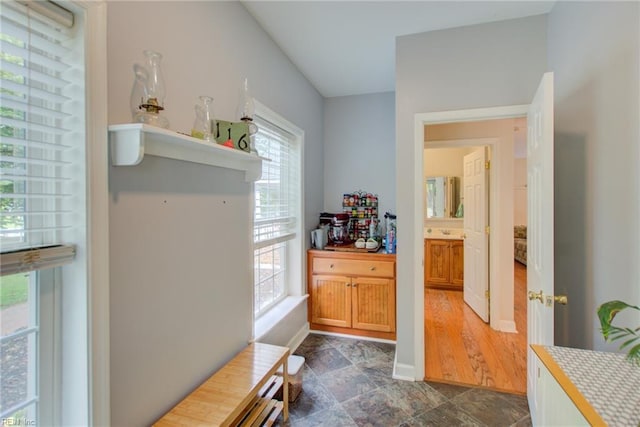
column 241, row 393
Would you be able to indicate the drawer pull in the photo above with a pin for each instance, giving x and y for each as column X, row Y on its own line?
column 331, row 266
column 372, row 268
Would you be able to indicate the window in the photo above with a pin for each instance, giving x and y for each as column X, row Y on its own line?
column 28, row 332
column 277, row 219
column 42, row 207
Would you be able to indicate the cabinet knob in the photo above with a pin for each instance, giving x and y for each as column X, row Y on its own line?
column 348, row 284
column 355, row 285
column 372, row 268
column 331, row 266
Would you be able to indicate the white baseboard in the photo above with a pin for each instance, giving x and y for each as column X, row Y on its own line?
column 402, row 371
column 508, row 326
column 297, row 339
column 353, row 337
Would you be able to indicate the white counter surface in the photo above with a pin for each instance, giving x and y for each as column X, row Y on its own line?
column 437, row 233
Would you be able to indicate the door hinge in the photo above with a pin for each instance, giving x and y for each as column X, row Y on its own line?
column 487, row 229
column 487, row 164
column 487, row 294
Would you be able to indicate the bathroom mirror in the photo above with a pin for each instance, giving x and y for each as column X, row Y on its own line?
column 443, row 197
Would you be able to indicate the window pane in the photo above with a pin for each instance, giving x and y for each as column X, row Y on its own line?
column 23, row 417
column 14, row 308
column 18, row 305
column 270, row 274
column 265, row 293
column 16, row 356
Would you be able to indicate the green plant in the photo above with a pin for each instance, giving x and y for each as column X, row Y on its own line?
column 606, row 313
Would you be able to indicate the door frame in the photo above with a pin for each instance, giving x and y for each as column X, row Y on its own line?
column 501, row 252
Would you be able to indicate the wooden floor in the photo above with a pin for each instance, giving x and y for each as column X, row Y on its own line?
column 461, row 349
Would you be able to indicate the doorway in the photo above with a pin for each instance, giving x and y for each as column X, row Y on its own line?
column 461, row 349
column 501, row 216
column 456, row 242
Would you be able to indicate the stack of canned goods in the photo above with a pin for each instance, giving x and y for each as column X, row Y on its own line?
column 362, row 208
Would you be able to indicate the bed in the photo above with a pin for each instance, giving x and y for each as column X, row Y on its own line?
column 520, row 243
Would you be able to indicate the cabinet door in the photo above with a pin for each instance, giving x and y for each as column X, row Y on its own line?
column 457, row 262
column 437, row 266
column 426, row 255
column 331, row 300
column 374, row 304
column 554, row 406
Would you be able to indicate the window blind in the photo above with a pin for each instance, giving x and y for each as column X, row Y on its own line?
column 276, row 199
column 38, row 132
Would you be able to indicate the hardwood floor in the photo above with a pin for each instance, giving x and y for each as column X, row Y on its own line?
column 461, row 349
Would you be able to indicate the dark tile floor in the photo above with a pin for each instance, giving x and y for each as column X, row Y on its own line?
column 347, row 382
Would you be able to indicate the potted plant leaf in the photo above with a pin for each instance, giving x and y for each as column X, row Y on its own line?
column 606, row 313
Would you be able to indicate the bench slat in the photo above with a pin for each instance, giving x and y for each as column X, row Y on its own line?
column 231, row 391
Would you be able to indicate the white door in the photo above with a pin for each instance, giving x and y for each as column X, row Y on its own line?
column 476, row 248
column 539, row 234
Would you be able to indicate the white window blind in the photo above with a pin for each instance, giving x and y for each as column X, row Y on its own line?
column 277, row 212
column 40, row 151
column 277, row 190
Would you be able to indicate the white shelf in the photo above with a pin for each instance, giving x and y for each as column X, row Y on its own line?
column 130, row 142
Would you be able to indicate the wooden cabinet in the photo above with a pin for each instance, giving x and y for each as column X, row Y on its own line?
column 352, row 293
column 444, row 263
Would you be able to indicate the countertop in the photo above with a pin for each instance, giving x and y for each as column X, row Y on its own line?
column 437, row 233
column 381, row 254
column 607, row 384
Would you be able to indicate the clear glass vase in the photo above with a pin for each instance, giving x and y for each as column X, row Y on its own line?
column 137, row 91
column 203, row 125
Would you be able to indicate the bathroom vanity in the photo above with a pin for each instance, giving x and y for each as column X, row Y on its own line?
column 444, row 260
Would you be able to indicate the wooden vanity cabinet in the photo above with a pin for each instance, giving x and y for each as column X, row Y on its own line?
column 444, row 263
column 352, row 293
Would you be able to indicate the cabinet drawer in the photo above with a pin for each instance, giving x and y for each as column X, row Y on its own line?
column 354, row 267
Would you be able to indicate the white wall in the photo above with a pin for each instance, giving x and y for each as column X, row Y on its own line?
column 471, row 67
column 181, row 291
column 594, row 51
column 445, row 161
column 177, row 310
column 359, row 149
column 520, row 191
column 208, row 49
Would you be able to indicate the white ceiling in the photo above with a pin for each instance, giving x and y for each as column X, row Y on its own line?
column 348, row 47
